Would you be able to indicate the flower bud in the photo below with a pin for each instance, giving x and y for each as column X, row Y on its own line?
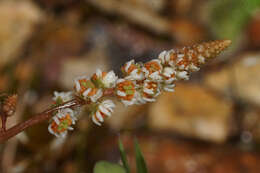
column 9, row 105
column 104, row 79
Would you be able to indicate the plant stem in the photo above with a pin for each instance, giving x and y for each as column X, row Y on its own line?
column 38, row 118
column 3, row 117
column 45, row 115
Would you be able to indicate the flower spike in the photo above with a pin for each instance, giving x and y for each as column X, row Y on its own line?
column 141, row 83
column 190, row 58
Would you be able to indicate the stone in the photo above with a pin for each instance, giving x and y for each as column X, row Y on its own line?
column 240, row 80
column 134, row 13
column 219, row 81
column 250, row 125
column 192, row 111
column 17, row 23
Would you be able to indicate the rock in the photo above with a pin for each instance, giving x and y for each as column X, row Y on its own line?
column 17, row 22
column 192, row 111
column 55, row 42
column 220, row 81
column 57, row 39
column 251, row 125
column 134, row 13
column 247, row 79
column 240, row 80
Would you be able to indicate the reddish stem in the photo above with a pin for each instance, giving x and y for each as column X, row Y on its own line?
column 45, row 115
column 38, row 118
column 3, row 117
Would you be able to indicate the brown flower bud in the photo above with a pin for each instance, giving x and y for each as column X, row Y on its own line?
column 9, row 105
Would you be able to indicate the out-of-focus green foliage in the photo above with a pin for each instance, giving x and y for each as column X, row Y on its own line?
column 140, row 162
column 123, row 156
column 106, row 167
column 228, row 17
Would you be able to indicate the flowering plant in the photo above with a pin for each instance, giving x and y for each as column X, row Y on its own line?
column 141, row 83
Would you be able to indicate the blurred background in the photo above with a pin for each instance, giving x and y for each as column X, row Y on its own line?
column 211, row 124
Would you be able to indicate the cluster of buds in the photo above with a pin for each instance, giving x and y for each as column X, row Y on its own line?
column 141, row 83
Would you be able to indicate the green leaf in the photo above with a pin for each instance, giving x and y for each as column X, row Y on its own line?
column 123, row 156
column 140, row 162
column 107, row 167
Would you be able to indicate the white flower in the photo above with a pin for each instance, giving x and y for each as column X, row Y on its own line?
column 87, row 89
column 104, row 109
column 152, row 70
column 110, row 79
column 77, row 82
column 133, row 71
column 169, row 75
column 104, row 79
column 132, row 101
column 150, row 91
column 64, row 96
column 165, row 58
column 128, row 65
column 96, row 96
column 62, row 122
column 168, row 87
column 193, row 68
column 201, row 59
column 125, row 91
column 162, row 57
column 182, row 75
column 139, row 99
